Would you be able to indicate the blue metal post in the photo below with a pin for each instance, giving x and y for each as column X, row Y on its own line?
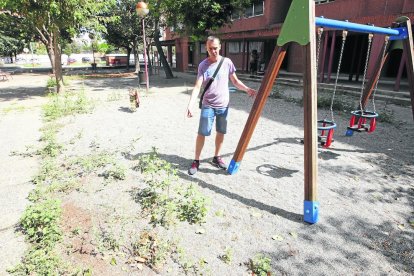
column 311, row 211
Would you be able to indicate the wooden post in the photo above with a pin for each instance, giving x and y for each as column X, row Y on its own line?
column 408, row 49
column 258, row 105
column 310, row 114
column 301, row 13
column 376, row 72
column 400, row 71
column 331, row 56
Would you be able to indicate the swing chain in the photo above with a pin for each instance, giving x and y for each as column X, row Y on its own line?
column 387, row 39
column 320, row 31
column 344, row 35
column 365, row 71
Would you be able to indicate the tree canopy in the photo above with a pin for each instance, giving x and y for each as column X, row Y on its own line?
column 52, row 20
column 197, row 17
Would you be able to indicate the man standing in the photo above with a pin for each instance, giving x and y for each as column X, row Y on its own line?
column 215, row 102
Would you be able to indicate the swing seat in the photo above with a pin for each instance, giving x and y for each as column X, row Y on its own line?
column 327, row 130
column 362, row 121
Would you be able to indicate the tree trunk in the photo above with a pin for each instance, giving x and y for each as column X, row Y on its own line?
column 165, row 65
column 136, row 56
column 51, row 54
column 58, row 61
column 128, row 55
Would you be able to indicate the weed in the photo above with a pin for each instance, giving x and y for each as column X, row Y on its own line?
column 338, row 104
column 39, row 261
column 227, row 257
column 19, row 108
column 28, row 152
column 219, row 213
column 48, row 170
column 117, row 172
column 277, row 92
column 108, row 241
column 51, row 82
column 164, row 212
column 67, row 104
column 76, row 231
column 193, row 206
column 151, row 249
column 76, row 137
column 51, row 148
column 115, row 96
column 260, row 265
column 41, row 222
column 91, row 163
column 166, row 200
column 386, row 115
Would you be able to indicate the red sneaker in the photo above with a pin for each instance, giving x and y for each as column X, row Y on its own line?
column 219, row 163
column 194, row 167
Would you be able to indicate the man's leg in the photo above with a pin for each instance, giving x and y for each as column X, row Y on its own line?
column 219, row 143
column 199, row 146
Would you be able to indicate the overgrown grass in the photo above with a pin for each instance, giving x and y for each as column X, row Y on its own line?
column 13, row 107
column 166, row 200
column 40, row 221
column 69, row 103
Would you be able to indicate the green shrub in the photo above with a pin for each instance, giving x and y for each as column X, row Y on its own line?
column 166, row 200
column 41, row 222
column 39, row 261
column 260, row 265
column 67, row 104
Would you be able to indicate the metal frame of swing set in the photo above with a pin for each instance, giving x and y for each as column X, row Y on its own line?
column 302, row 13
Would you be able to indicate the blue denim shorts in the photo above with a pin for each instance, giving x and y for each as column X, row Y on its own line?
column 207, row 119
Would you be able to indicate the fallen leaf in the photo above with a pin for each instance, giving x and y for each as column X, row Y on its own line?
column 293, row 234
column 113, row 261
column 256, row 214
column 140, row 259
column 277, row 238
column 200, row 231
column 401, row 226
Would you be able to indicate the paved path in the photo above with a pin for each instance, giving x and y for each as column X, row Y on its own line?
column 20, row 121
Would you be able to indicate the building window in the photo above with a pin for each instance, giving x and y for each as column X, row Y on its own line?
column 255, row 45
column 234, row 47
column 317, row 2
column 255, row 9
column 235, row 16
column 258, row 8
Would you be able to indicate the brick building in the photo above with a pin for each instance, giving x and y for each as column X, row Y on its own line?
column 260, row 25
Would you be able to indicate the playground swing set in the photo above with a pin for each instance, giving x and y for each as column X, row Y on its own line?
column 302, row 13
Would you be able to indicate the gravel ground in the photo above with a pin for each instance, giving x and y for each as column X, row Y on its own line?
column 365, row 186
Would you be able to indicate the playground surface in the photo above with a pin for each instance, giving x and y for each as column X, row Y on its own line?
column 365, row 184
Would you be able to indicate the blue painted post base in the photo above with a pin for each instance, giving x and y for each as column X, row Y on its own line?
column 311, row 212
column 233, row 167
column 349, row 132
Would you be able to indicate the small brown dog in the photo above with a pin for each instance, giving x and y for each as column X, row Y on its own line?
column 133, row 99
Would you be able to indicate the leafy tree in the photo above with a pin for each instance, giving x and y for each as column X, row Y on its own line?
column 126, row 30
column 12, row 38
column 194, row 18
column 54, row 20
column 197, row 17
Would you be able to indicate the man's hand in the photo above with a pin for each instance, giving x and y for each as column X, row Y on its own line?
column 251, row 92
column 189, row 112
